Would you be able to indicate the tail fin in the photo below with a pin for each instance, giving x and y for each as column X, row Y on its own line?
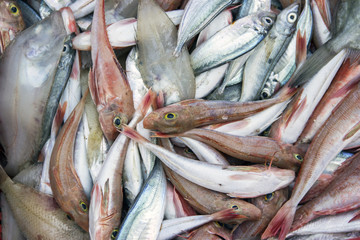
column 281, row 222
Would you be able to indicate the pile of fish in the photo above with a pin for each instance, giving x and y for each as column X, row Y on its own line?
column 160, row 119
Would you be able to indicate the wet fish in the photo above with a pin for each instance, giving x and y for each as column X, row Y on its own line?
column 235, row 40
column 249, row 7
column 109, row 87
column 236, row 181
column 196, row 16
column 210, row 231
column 47, row 220
column 266, row 54
column 188, row 114
column 158, row 67
column 32, row 93
column 322, row 21
column 11, row 22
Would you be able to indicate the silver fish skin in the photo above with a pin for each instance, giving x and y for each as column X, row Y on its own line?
column 26, row 119
column 286, row 65
column 250, row 6
column 197, row 15
column 144, row 219
column 338, row 223
column 321, row 32
column 232, row 41
column 159, row 68
column 207, row 81
column 266, row 54
column 230, row 93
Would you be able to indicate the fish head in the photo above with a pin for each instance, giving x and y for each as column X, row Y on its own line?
column 264, row 19
column 174, row 118
column 111, row 119
column 80, row 211
column 286, row 20
column 244, row 208
column 11, row 22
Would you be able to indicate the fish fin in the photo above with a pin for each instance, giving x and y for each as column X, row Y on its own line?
column 354, row 56
column 92, row 87
column 312, row 65
column 147, row 100
column 301, row 48
column 324, row 10
column 356, row 216
column 302, row 217
column 226, row 214
column 58, row 118
column 185, row 206
column 160, row 100
column 281, row 222
column 134, row 135
column 3, row 176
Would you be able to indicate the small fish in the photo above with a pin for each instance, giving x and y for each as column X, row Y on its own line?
column 236, row 181
column 188, row 114
column 11, row 22
column 109, row 87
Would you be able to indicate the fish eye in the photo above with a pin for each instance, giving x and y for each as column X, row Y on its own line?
column 68, row 217
column 268, row 20
column 188, row 150
column 170, row 116
column 269, row 196
column 14, row 9
column 291, row 17
column 65, row 48
column 114, row 233
column 298, row 157
column 264, row 95
column 235, row 207
column 83, row 206
column 117, row 122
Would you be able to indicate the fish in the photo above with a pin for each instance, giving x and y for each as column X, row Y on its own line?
column 106, row 197
column 247, row 148
column 236, row 181
column 210, row 231
column 206, row 201
column 159, row 69
column 47, row 219
column 65, row 183
column 109, row 87
column 171, row 228
column 11, row 22
column 188, row 114
column 31, row 94
column 322, row 21
column 345, row 30
column 235, row 40
column 197, row 15
column 340, row 129
column 249, row 7
column 266, row 54
column 145, row 216
column 269, row 204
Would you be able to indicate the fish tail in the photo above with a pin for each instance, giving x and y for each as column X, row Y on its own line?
column 226, row 214
column 134, row 135
column 303, row 216
column 301, row 48
column 146, row 102
column 281, row 222
column 3, row 176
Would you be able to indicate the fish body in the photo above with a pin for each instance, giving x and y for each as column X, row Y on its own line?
column 232, row 41
column 249, row 7
column 11, row 22
column 266, row 54
column 210, row 231
column 160, row 70
column 108, row 84
column 26, row 120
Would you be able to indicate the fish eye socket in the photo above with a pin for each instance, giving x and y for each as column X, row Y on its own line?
column 268, row 20
column 235, row 207
column 114, row 233
column 65, row 48
column 14, row 9
column 269, row 196
column 188, row 150
column 264, row 95
column 298, row 157
column 83, row 206
column 292, row 17
column 117, row 122
column 170, row 116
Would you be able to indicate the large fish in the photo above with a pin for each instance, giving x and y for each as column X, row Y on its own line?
column 28, row 87
column 11, row 22
column 108, row 84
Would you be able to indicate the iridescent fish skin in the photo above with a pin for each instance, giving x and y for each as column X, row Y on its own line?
column 11, row 22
